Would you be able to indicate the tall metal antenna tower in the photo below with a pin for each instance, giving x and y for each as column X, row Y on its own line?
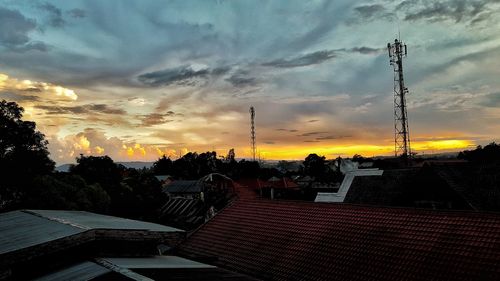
column 397, row 51
column 252, row 130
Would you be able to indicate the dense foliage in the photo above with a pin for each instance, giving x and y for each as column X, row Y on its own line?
column 489, row 154
column 23, row 155
column 94, row 184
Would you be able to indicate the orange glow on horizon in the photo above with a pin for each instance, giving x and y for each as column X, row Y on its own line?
column 140, row 152
column 420, row 147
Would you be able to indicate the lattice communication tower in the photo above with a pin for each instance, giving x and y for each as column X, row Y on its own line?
column 252, row 131
column 397, row 51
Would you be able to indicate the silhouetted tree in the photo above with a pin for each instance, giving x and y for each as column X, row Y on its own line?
column 314, row 166
column 482, row 155
column 104, row 171
column 67, row 192
column 23, row 154
column 148, row 197
column 248, row 169
column 163, row 166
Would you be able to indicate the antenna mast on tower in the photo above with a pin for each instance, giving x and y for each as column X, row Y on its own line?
column 252, row 130
column 397, row 51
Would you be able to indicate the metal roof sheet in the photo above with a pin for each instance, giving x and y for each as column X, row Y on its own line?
column 162, row 177
column 80, row 272
column 86, row 220
column 170, row 262
column 20, row 230
column 184, row 186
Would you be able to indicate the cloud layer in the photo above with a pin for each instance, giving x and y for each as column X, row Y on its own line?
column 134, row 80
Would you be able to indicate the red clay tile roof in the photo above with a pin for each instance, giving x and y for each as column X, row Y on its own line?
column 245, row 192
column 252, row 183
column 283, row 240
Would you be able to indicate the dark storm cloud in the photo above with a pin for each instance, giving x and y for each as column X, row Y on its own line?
column 311, row 134
column 33, row 90
column 14, row 29
column 319, row 57
column 465, row 11
column 305, row 60
column 370, row 11
column 367, row 50
column 155, row 118
column 220, row 70
column 287, row 130
column 491, row 100
column 18, row 97
column 54, row 13
column 450, row 10
column 331, row 137
column 77, row 13
column 83, row 109
column 242, row 78
column 34, row 45
column 179, row 75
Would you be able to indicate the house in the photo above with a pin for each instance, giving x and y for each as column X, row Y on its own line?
column 477, row 185
column 74, row 245
column 190, row 189
column 292, row 240
column 192, row 202
column 164, row 179
column 434, row 187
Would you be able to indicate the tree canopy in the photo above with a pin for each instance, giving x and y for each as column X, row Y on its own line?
column 23, row 153
column 488, row 154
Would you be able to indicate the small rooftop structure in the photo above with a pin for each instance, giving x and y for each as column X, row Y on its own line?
column 340, row 195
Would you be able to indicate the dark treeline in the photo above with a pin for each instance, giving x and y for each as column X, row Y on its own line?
column 98, row 184
column 94, row 184
column 489, row 154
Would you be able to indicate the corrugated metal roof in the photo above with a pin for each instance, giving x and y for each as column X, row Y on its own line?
column 27, row 228
column 183, row 186
column 20, row 230
column 162, row 177
column 86, row 220
column 80, row 272
column 157, row 262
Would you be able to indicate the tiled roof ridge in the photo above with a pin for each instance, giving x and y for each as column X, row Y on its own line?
column 372, row 207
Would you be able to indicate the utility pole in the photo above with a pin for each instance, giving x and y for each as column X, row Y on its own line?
column 252, row 131
column 397, row 51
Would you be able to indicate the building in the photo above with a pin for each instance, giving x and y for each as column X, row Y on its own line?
column 192, row 202
column 290, row 240
column 74, row 245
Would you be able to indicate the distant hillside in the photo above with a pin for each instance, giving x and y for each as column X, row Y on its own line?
column 134, row 165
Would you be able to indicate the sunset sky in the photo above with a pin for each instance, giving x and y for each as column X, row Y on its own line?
column 138, row 79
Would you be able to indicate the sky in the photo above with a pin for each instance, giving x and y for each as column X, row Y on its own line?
column 138, row 79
